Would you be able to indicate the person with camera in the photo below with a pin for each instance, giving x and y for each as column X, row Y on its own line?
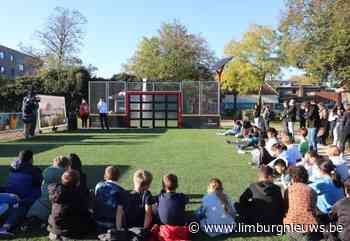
column 30, row 108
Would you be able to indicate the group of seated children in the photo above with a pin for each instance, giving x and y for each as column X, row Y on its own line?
column 58, row 199
column 314, row 190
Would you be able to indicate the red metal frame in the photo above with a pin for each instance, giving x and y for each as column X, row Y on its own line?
column 177, row 93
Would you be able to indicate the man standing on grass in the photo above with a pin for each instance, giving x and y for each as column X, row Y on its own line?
column 103, row 111
column 30, row 108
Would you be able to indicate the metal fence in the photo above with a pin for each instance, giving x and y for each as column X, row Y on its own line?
column 199, row 97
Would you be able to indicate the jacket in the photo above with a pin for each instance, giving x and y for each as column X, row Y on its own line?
column 69, row 215
column 312, row 117
column 346, row 122
column 25, row 181
column 261, row 203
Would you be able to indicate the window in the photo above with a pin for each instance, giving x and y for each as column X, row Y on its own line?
column 12, row 58
column 2, row 69
column 2, row 55
column 21, row 67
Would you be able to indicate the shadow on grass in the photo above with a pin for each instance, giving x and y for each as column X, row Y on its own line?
column 122, row 131
column 94, row 173
column 44, row 143
column 12, row 149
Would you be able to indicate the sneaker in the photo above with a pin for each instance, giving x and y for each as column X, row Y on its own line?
column 240, row 151
column 5, row 233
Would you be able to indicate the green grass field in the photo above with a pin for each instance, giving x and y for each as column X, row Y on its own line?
column 194, row 155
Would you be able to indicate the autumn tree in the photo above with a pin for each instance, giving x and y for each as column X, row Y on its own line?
column 315, row 37
column 173, row 54
column 255, row 59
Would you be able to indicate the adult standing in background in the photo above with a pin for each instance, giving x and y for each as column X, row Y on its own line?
column 332, row 121
column 103, row 111
column 284, row 117
column 322, row 133
column 267, row 115
column 312, row 122
column 301, row 115
column 291, row 116
column 84, row 113
column 30, row 108
column 345, row 130
column 258, row 119
column 338, row 126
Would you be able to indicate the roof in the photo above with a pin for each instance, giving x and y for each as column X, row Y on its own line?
column 329, row 95
column 20, row 52
column 267, row 89
column 267, row 99
column 221, row 63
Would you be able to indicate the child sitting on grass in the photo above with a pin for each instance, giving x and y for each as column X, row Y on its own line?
column 341, row 213
column 251, row 141
column 260, row 156
column 304, row 143
column 279, row 151
column 41, row 209
column 235, row 131
column 77, row 165
column 292, row 153
column 171, row 205
column 8, row 204
column 300, row 204
column 283, row 177
column 339, row 161
column 217, row 208
column 140, row 201
column 271, row 139
column 24, row 180
column 69, row 216
column 110, row 201
column 262, row 201
column 309, row 162
column 171, row 211
column 328, row 188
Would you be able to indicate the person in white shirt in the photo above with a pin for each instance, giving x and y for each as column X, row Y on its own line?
column 103, row 111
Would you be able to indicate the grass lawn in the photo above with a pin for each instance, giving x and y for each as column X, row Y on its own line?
column 194, row 155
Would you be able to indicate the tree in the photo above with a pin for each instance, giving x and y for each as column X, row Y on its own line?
column 71, row 83
column 255, row 59
column 315, row 36
column 62, row 36
column 174, row 54
column 124, row 77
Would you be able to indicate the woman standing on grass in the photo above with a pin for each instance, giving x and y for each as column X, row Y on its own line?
column 84, row 113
